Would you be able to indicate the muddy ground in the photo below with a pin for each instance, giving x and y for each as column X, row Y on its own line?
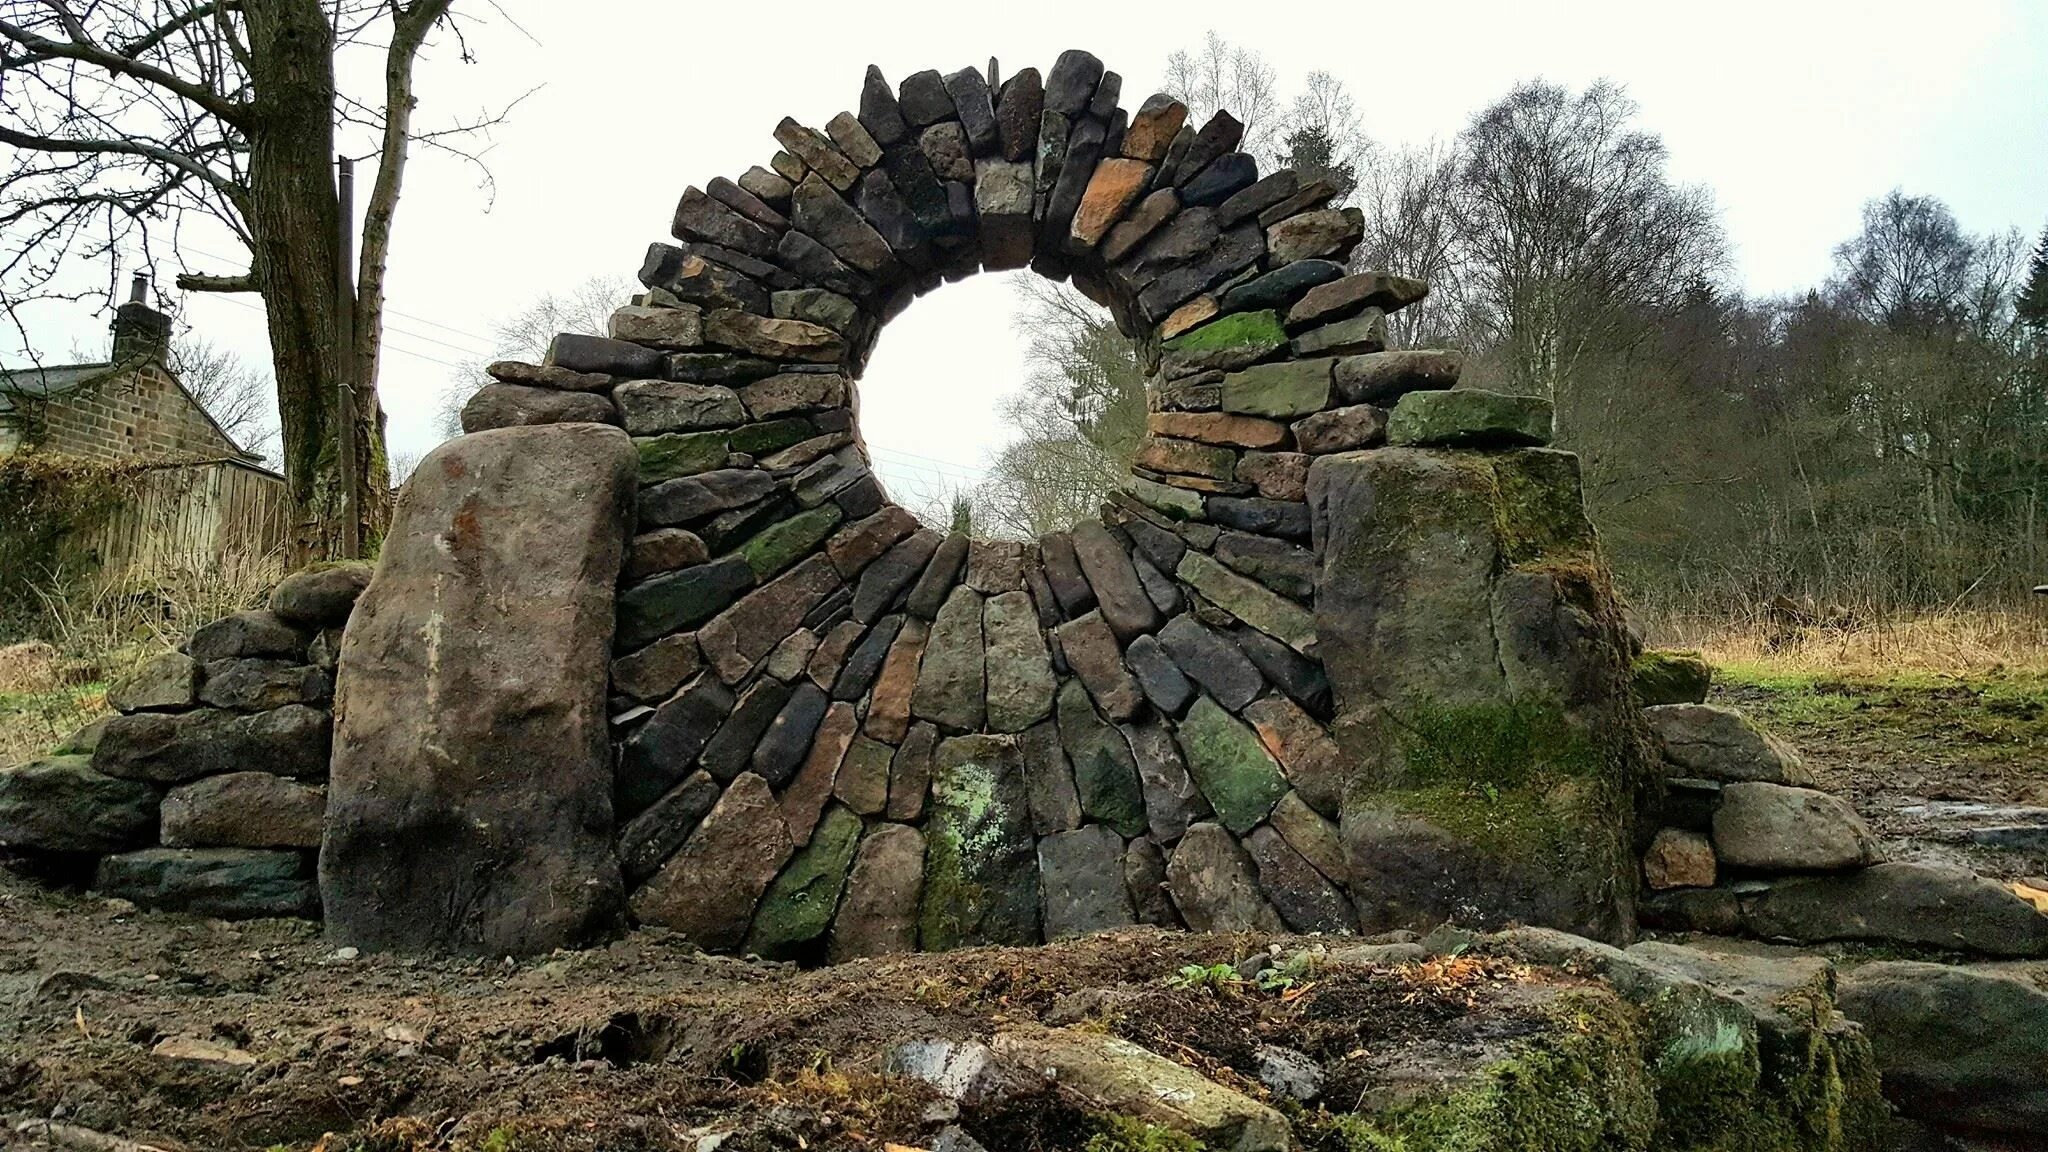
column 1949, row 769
column 647, row 1043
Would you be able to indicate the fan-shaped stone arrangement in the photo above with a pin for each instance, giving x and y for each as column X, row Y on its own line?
column 838, row 732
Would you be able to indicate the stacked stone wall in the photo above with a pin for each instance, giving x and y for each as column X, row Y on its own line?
column 206, row 792
column 838, row 732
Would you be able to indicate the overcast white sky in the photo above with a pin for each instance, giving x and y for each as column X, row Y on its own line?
column 1793, row 112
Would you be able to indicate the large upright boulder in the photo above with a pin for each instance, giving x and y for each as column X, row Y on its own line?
column 1481, row 673
column 470, row 805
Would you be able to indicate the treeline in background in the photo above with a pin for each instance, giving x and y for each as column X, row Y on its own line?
column 1874, row 444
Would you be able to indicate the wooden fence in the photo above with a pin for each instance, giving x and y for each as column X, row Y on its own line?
column 189, row 518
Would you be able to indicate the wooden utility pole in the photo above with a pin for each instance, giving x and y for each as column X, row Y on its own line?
column 345, row 389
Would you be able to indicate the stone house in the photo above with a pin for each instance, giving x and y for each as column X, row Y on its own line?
column 130, row 406
column 210, row 496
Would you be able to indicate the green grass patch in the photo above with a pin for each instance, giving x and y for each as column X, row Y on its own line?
column 1991, row 716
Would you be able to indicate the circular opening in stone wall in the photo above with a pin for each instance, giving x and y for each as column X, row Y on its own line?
column 936, row 397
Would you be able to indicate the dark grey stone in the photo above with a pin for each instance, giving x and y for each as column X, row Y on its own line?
column 1071, row 84
column 1158, row 677
column 864, row 662
column 1221, row 135
column 60, row 804
column 1288, row 519
column 680, row 501
column 260, row 633
column 1212, row 661
column 659, row 753
column 938, row 578
column 1081, row 882
column 976, row 110
column 731, row 748
column 1017, row 114
column 228, row 883
column 887, row 578
column 1063, row 573
column 672, row 601
column 1227, row 175
column 1301, row 678
column 879, row 113
column 783, row 747
column 1283, row 567
column 1282, row 286
column 651, row 837
column 1117, row 590
column 580, row 353
column 923, row 99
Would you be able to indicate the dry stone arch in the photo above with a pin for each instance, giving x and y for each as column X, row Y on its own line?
column 1340, row 656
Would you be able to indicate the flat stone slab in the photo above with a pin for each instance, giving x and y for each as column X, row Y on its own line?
column 1469, row 418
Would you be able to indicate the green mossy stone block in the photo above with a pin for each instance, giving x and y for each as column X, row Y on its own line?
column 1231, row 765
column 980, row 863
column 798, row 906
column 1469, row 418
column 782, row 544
column 1105, row 772
column 1249, row 601
column 1165, row 499
column 1665, row 676
column 680, row 454
column 1243, row 328
column 1283, row 391
column 769, row 436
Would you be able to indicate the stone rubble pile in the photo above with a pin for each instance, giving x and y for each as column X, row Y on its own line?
column 206, row 792
column 1748, row 846
column 838, row 732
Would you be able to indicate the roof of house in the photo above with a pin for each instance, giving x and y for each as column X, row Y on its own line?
column 54, row 380
column 58, row 379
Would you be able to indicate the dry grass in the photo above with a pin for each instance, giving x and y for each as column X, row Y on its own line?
column 1957, row 643
column 89, row 638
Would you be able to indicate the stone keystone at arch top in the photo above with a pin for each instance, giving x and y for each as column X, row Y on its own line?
column 1340, row 655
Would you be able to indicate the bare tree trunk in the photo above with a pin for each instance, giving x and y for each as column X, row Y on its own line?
column 294, row 220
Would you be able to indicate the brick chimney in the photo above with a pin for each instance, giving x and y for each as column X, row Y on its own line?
column 140, row 332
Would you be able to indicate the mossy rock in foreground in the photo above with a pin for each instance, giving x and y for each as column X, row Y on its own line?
column 1670, row 676
column 1605, row 1076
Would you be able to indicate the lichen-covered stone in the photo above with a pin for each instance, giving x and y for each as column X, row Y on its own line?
column 1712, row 742
column 981, row 870
column 1250, row 601
column 1284, row 391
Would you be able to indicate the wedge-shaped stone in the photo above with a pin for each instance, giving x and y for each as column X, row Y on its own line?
column 1311, row 760
column 952, row 682
column 1115, row 186
column 878, row 914
column 709, row 888
column 1049, row 780
column 818, row 153
column 1091, row 651
column 819, row 212
column 1172, row 801
column 1215, row 885
column 739, row 638
column 1306, row 900
column 1020, row 677
column 1118, row 593
column 1105, row 773
column 1233, row 768
column 796, row 910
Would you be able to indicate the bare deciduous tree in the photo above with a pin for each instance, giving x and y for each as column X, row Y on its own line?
column 131, row 121
column 1230, row 77
column 1568, row 221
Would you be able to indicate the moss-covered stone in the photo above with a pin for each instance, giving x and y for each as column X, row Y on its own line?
column 1231, row 765
column 770, row 435
column 798, row 906
column 1257, row 328
column 1469, row 418
column 785, row 542
column 1177, row 503
column 680, row 454
column 1249, row 601
column 1284, row 391
column 1579, row 1086
column 1668, row 676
